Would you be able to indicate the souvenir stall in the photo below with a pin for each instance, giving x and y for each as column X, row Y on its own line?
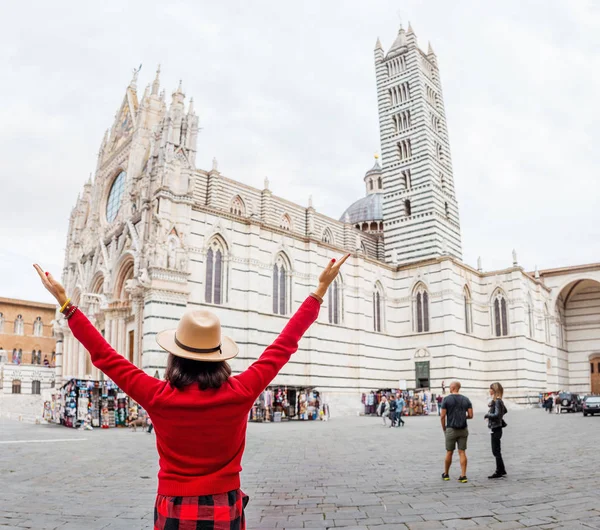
column 93, row 403
column 284, row 403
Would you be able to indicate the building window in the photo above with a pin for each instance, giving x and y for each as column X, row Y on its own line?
column 215, row 273
column 380, row 183
column 370, row 184
column 19, row 326
column 404, row 149
column 114, row 197
column 446, row 210
column 399, row 93
column 401, row 121
column 334, row 302
column 431, row 96
column 237, row 206
column 38, row 327
column 378, row 308
column 396, row 66
column 407, row 179
column 16, row 386
column 500, row 314
column 1, row 323
column 407, row 208
column 421, row 308
column 285, row 223
column 468, row 310
column 327, row 236
column 17, row 356
column 439, row 153
column 281, row 286
column 36, row 387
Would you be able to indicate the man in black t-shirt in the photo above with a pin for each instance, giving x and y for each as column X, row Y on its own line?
column 456, row 410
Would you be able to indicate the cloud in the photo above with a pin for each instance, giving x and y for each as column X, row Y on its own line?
column 288, row 91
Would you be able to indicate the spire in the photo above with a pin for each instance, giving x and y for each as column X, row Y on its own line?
column 146, row 91
column 191, row 107
column 180, row 88
column 378, row 45
column 156, row 83
column 133, row 83
column 400, row 41
column 430, row 49
column 410, row 30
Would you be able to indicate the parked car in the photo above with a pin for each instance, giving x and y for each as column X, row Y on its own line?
column 591, row 405
column 570, row 402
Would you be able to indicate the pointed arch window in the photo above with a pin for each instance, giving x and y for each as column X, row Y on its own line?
column 286, row 223
column 421, row 308
column 335, row 301
column 19, row 325
column 500, row 314
column 327, row 236
column 237, row 206
column 215, row 273
column 281, row 286
column 407, row 208
column 38, row 327
column 378, row 308
column 468, row 310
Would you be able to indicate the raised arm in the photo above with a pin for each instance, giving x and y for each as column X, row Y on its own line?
column 133, row 381
column 258, row 376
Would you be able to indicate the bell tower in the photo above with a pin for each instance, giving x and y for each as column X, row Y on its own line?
column 420, row 211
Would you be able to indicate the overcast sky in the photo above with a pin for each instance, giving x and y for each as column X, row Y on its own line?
column 287, row 90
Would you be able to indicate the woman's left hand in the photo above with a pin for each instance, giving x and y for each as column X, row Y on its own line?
column 53, row 286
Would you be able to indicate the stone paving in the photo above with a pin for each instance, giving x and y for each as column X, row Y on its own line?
column 349, row 473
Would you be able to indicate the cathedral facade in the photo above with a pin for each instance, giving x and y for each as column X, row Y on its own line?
column 152, row 235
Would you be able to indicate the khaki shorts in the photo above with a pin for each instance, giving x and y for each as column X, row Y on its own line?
column 456, row 437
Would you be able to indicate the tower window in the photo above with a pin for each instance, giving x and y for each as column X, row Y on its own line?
column 399, row 93
column 407, row 208
column 396, row 66
column 406, row 177
column 446, row 209
column 215, row 273
column 439, row 153
column 404, row 149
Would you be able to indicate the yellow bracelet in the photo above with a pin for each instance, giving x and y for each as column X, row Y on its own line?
column 65, row 305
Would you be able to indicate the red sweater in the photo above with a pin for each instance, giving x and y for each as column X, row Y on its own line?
column 200, row 434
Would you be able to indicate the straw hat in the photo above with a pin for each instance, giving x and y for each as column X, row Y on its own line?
column 198, row 337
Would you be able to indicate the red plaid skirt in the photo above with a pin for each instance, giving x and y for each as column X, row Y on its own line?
column 224, row 511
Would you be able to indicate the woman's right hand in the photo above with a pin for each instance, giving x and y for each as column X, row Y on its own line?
column 329, row 274
column 53, row 286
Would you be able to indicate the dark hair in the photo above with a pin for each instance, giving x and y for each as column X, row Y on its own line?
column 183, row 372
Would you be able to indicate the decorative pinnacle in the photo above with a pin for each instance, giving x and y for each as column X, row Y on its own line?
column 430, row 49
column 191, row 107
column 378, row 45
column 180, row 87
column 409, row 29
column 266, row 183
column 310, row 201
column 156, row 83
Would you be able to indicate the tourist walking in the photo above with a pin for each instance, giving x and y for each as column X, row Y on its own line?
column 456, row 410
column 557, row 403
column 496, row 424
column 200, row 411
column 439, row 400
column 400, row 404
column 393, row 408
column 384, row 409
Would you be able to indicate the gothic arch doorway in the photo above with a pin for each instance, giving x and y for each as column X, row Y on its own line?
column 576, row 335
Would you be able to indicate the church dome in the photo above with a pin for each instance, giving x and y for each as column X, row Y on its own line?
column 367, row 209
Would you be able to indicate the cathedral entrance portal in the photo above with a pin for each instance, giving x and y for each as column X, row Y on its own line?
column 422, row 374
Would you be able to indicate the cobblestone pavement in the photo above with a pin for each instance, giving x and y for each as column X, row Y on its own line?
column 348, row 473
